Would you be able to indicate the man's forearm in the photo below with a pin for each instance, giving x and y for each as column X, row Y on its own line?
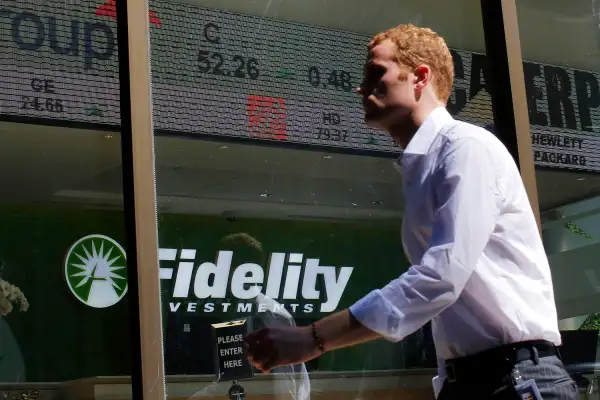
column 342, row 329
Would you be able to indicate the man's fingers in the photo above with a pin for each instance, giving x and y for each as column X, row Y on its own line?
column 262, row 353
column 256, row 336
column 270, row 364
column 254, row 363
column 252, row 340
column 266, row 364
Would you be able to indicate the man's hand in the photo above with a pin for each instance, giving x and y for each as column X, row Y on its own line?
column 278, row 346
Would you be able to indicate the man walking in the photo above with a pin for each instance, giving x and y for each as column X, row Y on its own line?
column 479, row 272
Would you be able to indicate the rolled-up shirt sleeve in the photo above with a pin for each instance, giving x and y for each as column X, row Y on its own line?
column 467, row 206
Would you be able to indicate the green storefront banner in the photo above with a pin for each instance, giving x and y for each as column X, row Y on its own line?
column 211, row 271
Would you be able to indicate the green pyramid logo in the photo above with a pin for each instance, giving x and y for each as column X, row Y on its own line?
column 96, row 271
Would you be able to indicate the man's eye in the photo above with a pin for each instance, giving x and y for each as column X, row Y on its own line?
column 371, row 79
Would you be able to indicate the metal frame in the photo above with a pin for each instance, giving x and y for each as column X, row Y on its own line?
column 509, row 101
column 139, row 192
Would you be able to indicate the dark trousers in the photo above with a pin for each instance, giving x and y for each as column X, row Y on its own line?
column 489, row 375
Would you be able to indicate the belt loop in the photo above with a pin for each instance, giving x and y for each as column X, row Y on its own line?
column 450, row 373
column 536, row 355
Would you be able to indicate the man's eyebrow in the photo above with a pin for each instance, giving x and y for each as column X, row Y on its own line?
column 370, row 63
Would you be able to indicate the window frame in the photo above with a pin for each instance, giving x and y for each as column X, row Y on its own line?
column 511, row 118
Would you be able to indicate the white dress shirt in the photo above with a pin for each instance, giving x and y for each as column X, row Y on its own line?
column 479, row 270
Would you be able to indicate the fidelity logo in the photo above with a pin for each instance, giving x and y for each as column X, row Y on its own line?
column 219, row 286
column 96, row 271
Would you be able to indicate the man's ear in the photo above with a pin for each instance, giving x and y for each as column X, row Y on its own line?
column 423, row 77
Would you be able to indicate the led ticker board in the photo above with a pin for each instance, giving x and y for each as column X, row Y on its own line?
column 218, row 73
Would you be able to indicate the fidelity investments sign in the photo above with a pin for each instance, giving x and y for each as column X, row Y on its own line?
column 298, row 284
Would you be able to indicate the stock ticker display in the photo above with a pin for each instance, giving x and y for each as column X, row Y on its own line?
column 218, row 73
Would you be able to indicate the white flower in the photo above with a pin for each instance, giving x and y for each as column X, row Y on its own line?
column 5, row 306
column 10, row 296
column 24, row 304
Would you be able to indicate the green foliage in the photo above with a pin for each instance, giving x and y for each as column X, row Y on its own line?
column 592, row 322
column 577, row 230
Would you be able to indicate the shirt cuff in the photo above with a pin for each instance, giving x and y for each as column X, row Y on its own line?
column 377, row 314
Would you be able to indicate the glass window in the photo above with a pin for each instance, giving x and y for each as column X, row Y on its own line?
column 64, row 304
column 561, row 56
column 267, row 175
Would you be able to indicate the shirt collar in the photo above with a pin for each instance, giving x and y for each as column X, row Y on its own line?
column 423, row 138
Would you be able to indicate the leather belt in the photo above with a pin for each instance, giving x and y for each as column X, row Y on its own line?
column 497, row 361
